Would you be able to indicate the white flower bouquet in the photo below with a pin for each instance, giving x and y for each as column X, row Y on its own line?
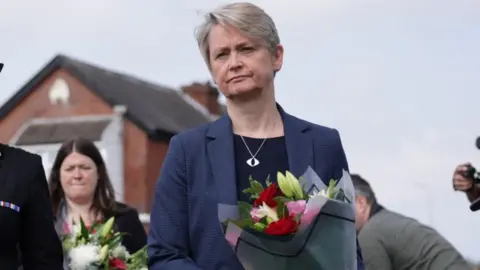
column 99, row 247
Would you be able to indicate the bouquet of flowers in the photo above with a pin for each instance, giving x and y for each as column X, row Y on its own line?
column 295, row 224
column 99, row 247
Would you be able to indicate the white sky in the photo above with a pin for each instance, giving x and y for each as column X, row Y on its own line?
column 399, row 79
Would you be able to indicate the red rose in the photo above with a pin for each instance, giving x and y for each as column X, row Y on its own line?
column 268, row 196
column 118, row 264
column 283, row 226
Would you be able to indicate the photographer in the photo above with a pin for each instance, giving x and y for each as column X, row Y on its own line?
column 463, row 181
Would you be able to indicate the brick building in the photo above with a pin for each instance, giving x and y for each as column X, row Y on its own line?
column 130, row 120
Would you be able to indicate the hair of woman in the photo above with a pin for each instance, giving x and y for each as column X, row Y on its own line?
column 104, row 195
column 249, row 19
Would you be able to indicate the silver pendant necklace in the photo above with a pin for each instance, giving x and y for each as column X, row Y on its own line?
column 253, row 161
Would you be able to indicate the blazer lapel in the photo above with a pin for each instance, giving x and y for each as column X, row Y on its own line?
column 299, row 143
column 222, row 160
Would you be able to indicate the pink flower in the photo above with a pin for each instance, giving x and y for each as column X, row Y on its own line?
column 296, row 207
column 255, row 214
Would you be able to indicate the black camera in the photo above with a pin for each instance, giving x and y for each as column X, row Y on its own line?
column 473, row 174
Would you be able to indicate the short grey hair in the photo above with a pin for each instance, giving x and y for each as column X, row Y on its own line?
column 249, row 19
column 363, row 188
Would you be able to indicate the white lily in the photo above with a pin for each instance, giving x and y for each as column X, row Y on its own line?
column 284, row 185
column 295, row 184
column 265, row 211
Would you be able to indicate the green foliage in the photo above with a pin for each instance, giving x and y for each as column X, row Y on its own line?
column 115, row 240
column 84, row 232
column 242, row 223
column 282, row 199
column 282, row 210
column 255, row 188
column 138, row 260
column 245, row 217
column 244, row 209
column 267, row 181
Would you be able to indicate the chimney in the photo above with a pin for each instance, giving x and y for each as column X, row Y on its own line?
column 205, row 95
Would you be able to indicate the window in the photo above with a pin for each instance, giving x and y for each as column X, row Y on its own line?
column 47, row 159
column 47, row 153
column 103, row 151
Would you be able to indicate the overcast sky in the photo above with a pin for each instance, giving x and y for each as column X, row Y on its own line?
column 399, row 79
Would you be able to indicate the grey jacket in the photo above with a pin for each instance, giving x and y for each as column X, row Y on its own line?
column 391, row 241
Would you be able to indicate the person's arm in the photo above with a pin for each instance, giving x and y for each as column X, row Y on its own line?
column 39, row 243
column 465, row 184
column 343, row 165
column 168, row 238
column 375, row 255
column 136, row 237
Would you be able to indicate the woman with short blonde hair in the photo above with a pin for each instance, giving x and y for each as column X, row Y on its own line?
column 211, row 164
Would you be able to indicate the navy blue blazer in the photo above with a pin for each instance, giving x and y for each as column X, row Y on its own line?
column 199, row 173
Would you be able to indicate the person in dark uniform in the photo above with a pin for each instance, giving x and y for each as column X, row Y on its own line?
column 27, row 233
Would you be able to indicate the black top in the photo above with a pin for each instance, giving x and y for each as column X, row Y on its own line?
column 26, row 216
column 128, row 222
column 272, row 156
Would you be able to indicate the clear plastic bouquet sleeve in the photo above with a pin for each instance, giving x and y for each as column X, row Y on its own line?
column 326, row 238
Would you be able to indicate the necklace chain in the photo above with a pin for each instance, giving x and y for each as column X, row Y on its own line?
column 252, row 162
column 248, row 148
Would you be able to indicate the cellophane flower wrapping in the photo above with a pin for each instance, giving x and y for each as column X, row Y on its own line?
column 326, row 237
